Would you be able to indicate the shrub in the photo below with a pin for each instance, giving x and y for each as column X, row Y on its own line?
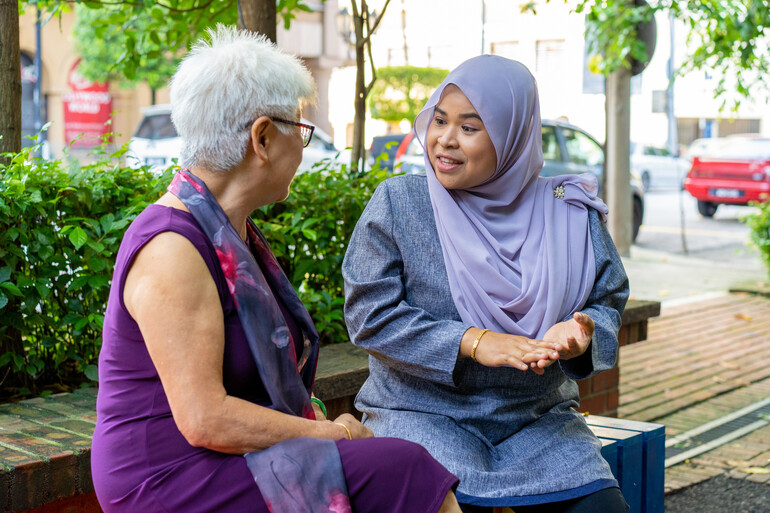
column 759, row 223
column 309, row 234
column 60, row 228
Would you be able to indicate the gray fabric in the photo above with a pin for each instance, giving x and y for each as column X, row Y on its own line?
column 399, row 308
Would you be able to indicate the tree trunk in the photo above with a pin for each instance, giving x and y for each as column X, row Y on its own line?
column 259, row 16
column 10, row 77
column 357, row 150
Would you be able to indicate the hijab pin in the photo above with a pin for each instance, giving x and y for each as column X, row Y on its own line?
column 558, row 192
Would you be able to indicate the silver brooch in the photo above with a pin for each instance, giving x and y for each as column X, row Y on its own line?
column 558, row 192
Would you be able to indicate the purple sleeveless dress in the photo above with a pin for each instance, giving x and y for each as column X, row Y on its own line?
column 140, row 461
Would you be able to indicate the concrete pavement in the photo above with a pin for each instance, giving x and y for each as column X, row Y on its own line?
column 673, row 278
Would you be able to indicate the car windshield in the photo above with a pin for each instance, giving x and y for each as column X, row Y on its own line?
column 748, row 149
column 156, row 126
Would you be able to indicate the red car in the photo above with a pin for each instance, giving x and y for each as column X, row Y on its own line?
column 734, row 173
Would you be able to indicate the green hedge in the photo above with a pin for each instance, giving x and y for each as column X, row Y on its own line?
column 60, row 228
column 759, row 223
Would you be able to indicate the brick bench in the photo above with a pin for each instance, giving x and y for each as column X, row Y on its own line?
column 45, row 443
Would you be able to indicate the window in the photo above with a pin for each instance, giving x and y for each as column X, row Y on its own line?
column 549, row 56
column 158, row 126
column 581, row 149
column 551, row 149
column 507, row 49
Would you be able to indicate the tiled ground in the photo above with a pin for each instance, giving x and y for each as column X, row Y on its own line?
column 702, row 361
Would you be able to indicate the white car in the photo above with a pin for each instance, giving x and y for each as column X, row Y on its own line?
column 156, row 143
column 657, row 168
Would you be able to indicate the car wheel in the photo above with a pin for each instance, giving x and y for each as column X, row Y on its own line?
column 646, row 180
column 707, row 208
column 638, row 214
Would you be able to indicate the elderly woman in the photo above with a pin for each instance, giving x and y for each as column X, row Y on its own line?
column 209, row 357
column 481, row 291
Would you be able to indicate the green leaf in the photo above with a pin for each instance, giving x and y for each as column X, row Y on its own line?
column 45, row 252
column 5, row 359
column 13, row 289
column 78, row 237
column 98, row 281
column 43, row 289
column 310, row 234
column 5, row 274
column 18, row 361
column 3, row 300
column 77, row 283
column 97, row 264
column 91, row 372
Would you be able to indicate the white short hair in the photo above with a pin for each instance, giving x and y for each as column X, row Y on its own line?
column 223, row 85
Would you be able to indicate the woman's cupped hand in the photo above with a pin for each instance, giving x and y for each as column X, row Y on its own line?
column 571, row 337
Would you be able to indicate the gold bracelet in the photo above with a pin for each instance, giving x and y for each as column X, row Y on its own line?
column 350, row 437
column 476, row 344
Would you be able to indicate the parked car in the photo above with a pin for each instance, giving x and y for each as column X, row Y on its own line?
column 657, row 168
column 567, row 149
column 734, row 173
column 702, row 146
column 383, row 148
column 156, row 143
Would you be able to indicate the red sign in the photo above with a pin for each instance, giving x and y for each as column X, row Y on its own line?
column 87, row 111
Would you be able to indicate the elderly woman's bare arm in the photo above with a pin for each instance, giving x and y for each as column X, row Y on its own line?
column 171, row 295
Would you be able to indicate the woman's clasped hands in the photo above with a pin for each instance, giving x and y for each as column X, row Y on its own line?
column 562, row 341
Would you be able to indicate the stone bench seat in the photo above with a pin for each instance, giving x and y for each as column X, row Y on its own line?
column 45, row 443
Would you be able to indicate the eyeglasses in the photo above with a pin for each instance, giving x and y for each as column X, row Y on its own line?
column 304, row 129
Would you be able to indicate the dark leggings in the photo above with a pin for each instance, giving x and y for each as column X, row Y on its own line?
column 609, row 500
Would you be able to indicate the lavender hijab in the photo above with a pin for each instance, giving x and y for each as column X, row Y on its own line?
column 519, row 259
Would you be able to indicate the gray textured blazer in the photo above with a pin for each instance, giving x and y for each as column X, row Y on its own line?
column 512, row 437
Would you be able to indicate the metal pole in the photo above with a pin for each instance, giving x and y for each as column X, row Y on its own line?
column 37, row 91
column 673, row 129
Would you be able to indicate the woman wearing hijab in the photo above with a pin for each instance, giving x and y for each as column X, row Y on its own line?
column 208, row 359
column 481, row 292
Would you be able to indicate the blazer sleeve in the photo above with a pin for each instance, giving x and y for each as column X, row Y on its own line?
column 605, row 305
column 379, row 319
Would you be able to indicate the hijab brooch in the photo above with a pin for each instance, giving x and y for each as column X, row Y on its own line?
column 558, row 192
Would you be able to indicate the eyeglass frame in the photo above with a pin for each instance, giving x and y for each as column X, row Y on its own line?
column 304, row 128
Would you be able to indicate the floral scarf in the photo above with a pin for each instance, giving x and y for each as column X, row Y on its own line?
column 303, row 474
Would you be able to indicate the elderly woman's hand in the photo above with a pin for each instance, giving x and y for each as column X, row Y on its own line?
column 355, row 428
column 572, row 337
column 504, row 350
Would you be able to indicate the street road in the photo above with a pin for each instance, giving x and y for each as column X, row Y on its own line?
column 717, row 258
column 719, row 239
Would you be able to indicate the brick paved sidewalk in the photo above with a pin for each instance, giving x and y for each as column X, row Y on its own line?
column 702, row 361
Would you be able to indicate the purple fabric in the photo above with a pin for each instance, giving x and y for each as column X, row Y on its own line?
column 518, row 258
column 141, row 462
column 311, row 464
